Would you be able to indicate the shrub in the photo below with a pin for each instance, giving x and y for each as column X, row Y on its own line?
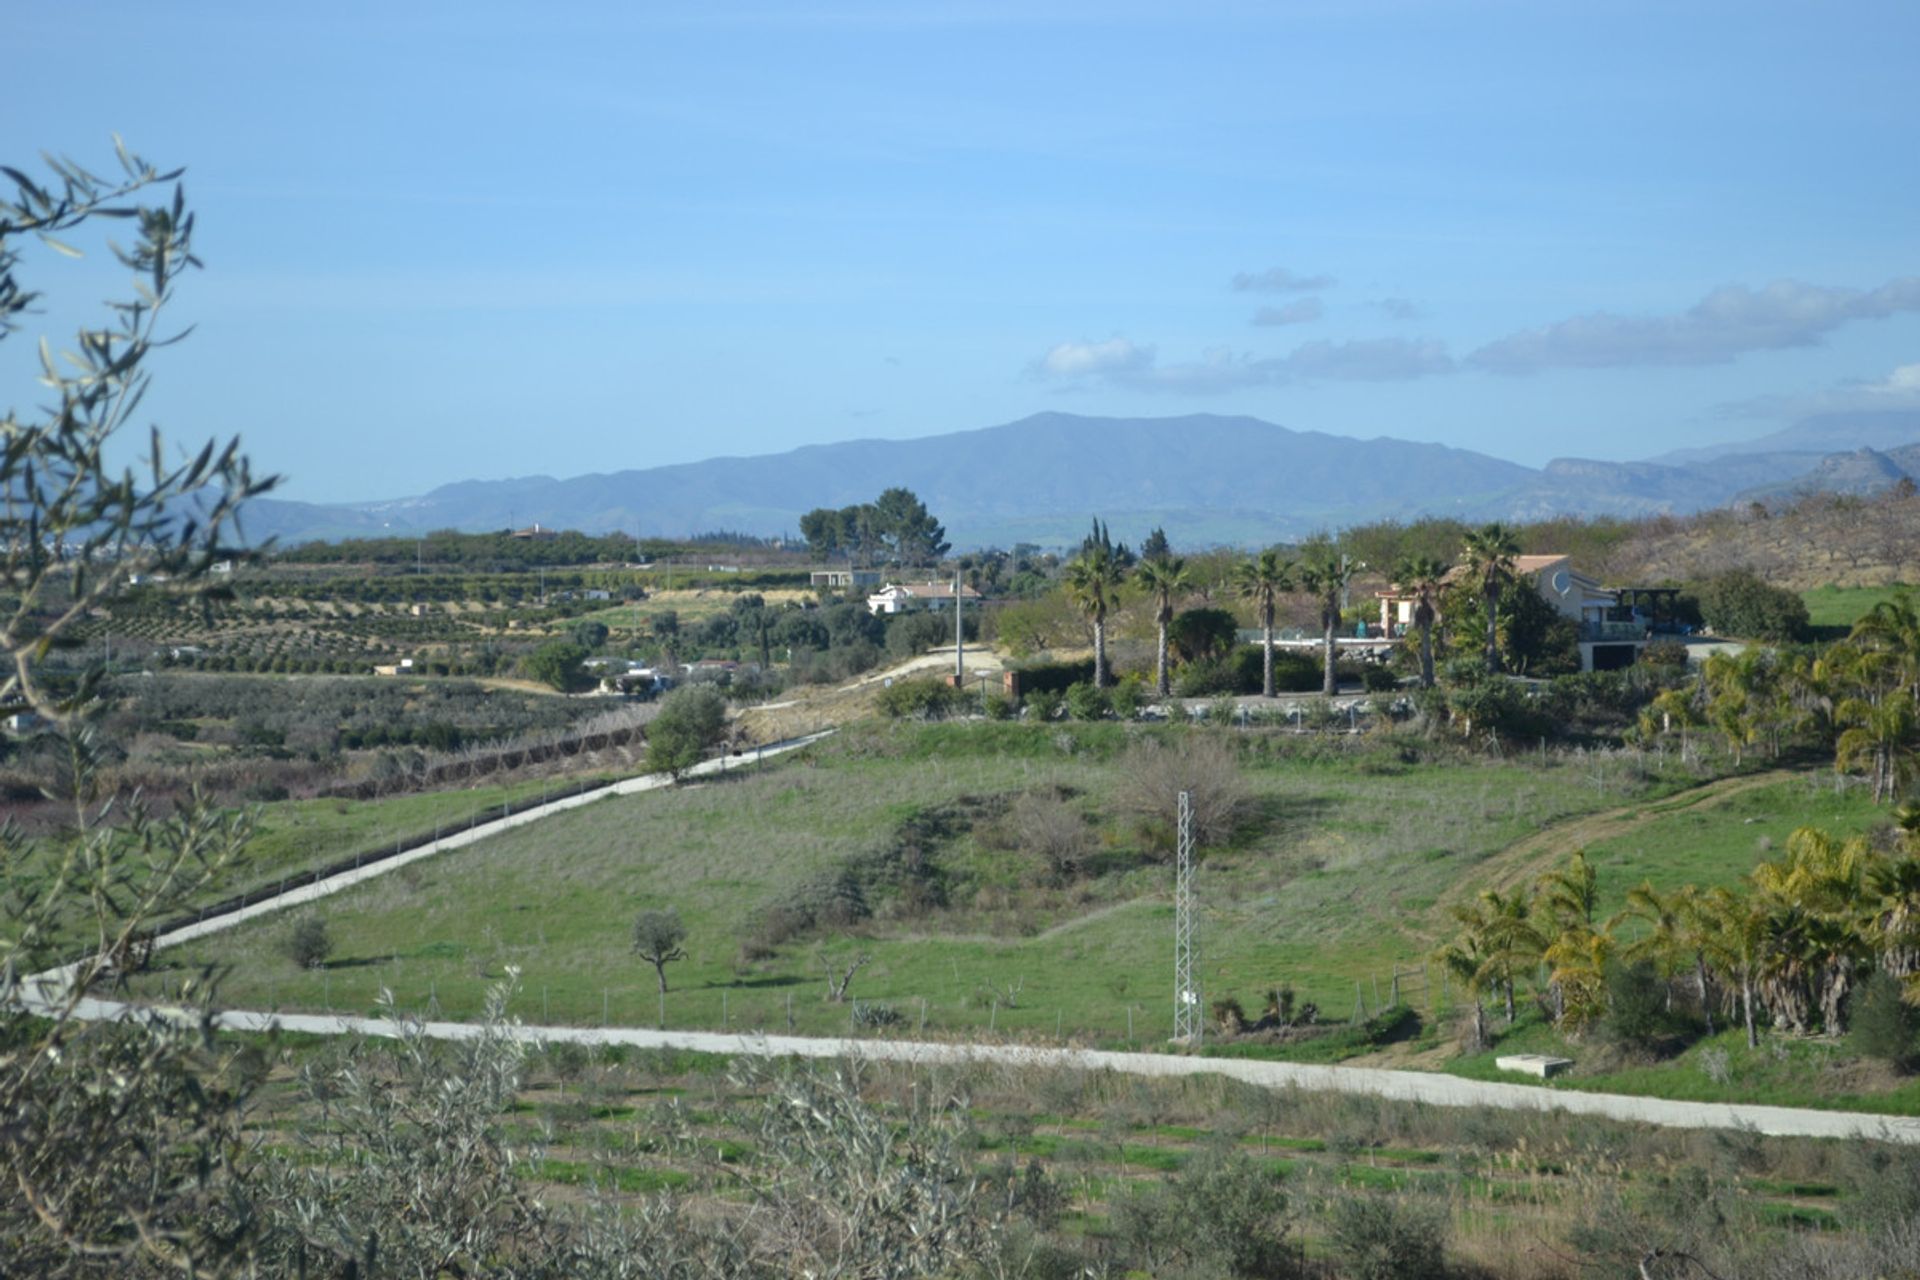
column 1045, row 827
column 1200, row 764
column 1637, row 1017
column 691, row 720
column 308, row 943
column 1053, row 677
column 999, row 706
column 1375, row 678
column 1202, row 635
column 1883, row 1023
column 927, row 698
column 1084, row 702
column 876, row 1015
column 1043, row 704
column 1126, row 697
column 1740, row 603
column 1386, row 1238
column 1664, row 653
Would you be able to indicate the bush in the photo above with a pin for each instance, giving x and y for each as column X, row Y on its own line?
column 1637, row 1018
column 1043, row 704
column 690, row 722
column 1053, row 677
column 1664, row 653
column 1200, row 764
column 1379, row 1237
column 1048, row 829
column 1127, row 697
column 1084, row 702
column 1375, row 678
column 1883, row 1023
column 1740, row 603
column 927, row 698
column 308, row 943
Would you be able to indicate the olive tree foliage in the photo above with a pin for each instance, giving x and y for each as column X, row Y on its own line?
column 118, row 1139
column 691, row 720
column 75, row 528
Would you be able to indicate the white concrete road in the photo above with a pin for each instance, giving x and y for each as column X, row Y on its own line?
column 1430, row 1088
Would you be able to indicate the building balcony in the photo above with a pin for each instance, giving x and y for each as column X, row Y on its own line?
column 1614, row 631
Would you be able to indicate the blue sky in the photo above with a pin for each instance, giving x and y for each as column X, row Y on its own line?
column 471, row 240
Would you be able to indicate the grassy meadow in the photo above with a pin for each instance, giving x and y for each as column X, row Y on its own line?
column 1342, row 875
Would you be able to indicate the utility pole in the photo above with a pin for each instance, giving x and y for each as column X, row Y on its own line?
column 959, row 646
column 1188, row 1020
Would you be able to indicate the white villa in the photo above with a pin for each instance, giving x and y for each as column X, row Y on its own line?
column 912, row 597
column 1615, row 622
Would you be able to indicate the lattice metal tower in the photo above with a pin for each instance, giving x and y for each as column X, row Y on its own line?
column 1188, row 1019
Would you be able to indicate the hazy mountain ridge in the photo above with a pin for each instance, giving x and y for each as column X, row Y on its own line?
column 1206, row 478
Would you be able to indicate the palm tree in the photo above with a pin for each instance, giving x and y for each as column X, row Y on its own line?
column 1421, row 575
column 1499, row 930
column 1261, row 581
column 1890, row 633
column 1738, row 936
column 1490, row 551
column 1324, row 575
column 1164, row 578
column 1882, row 737
column 1093, row 583
column 1571, row 894
column 1893, row 887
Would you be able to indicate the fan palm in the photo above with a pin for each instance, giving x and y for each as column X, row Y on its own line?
column 1164, row 579
column 1421, row 575
column 1738, row 939
column 1324, row 575
column 1261, row 581
column 1093, row 583
column 1882, row 738
column 1490, row 553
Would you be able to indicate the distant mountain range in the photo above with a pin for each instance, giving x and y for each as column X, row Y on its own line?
column 1207, row 479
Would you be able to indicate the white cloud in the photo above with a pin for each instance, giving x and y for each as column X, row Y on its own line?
column 1400, row 308
column 1088, row 359
column 1304, row 311
column 1123, row 364
column 1726, row 323
column 1899, row 390
column 1279, row 280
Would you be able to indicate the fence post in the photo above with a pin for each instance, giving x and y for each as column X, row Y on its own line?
column 789, row 1013
column 723, row 1011
column 1129, row 1026
column 993, row 1015
column 603, row 1006
column 923, row 1014
column 546, row 1013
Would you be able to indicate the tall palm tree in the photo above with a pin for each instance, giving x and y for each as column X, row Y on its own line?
column 1324, row 575
column 1890, row 634
column 1421, row 575
column 1499, row 930
column 1738, row 942
column 1093, row 583
column 1261, row 581
column 1882, row 737
column 1164, row 578
column 1490, row 553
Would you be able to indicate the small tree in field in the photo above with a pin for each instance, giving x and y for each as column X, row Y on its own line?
column 308, row 944
column 691, row 720
column 657, row 936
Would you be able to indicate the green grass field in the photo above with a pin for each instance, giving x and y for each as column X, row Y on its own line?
column 1844, row 606
column 1346, row 878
